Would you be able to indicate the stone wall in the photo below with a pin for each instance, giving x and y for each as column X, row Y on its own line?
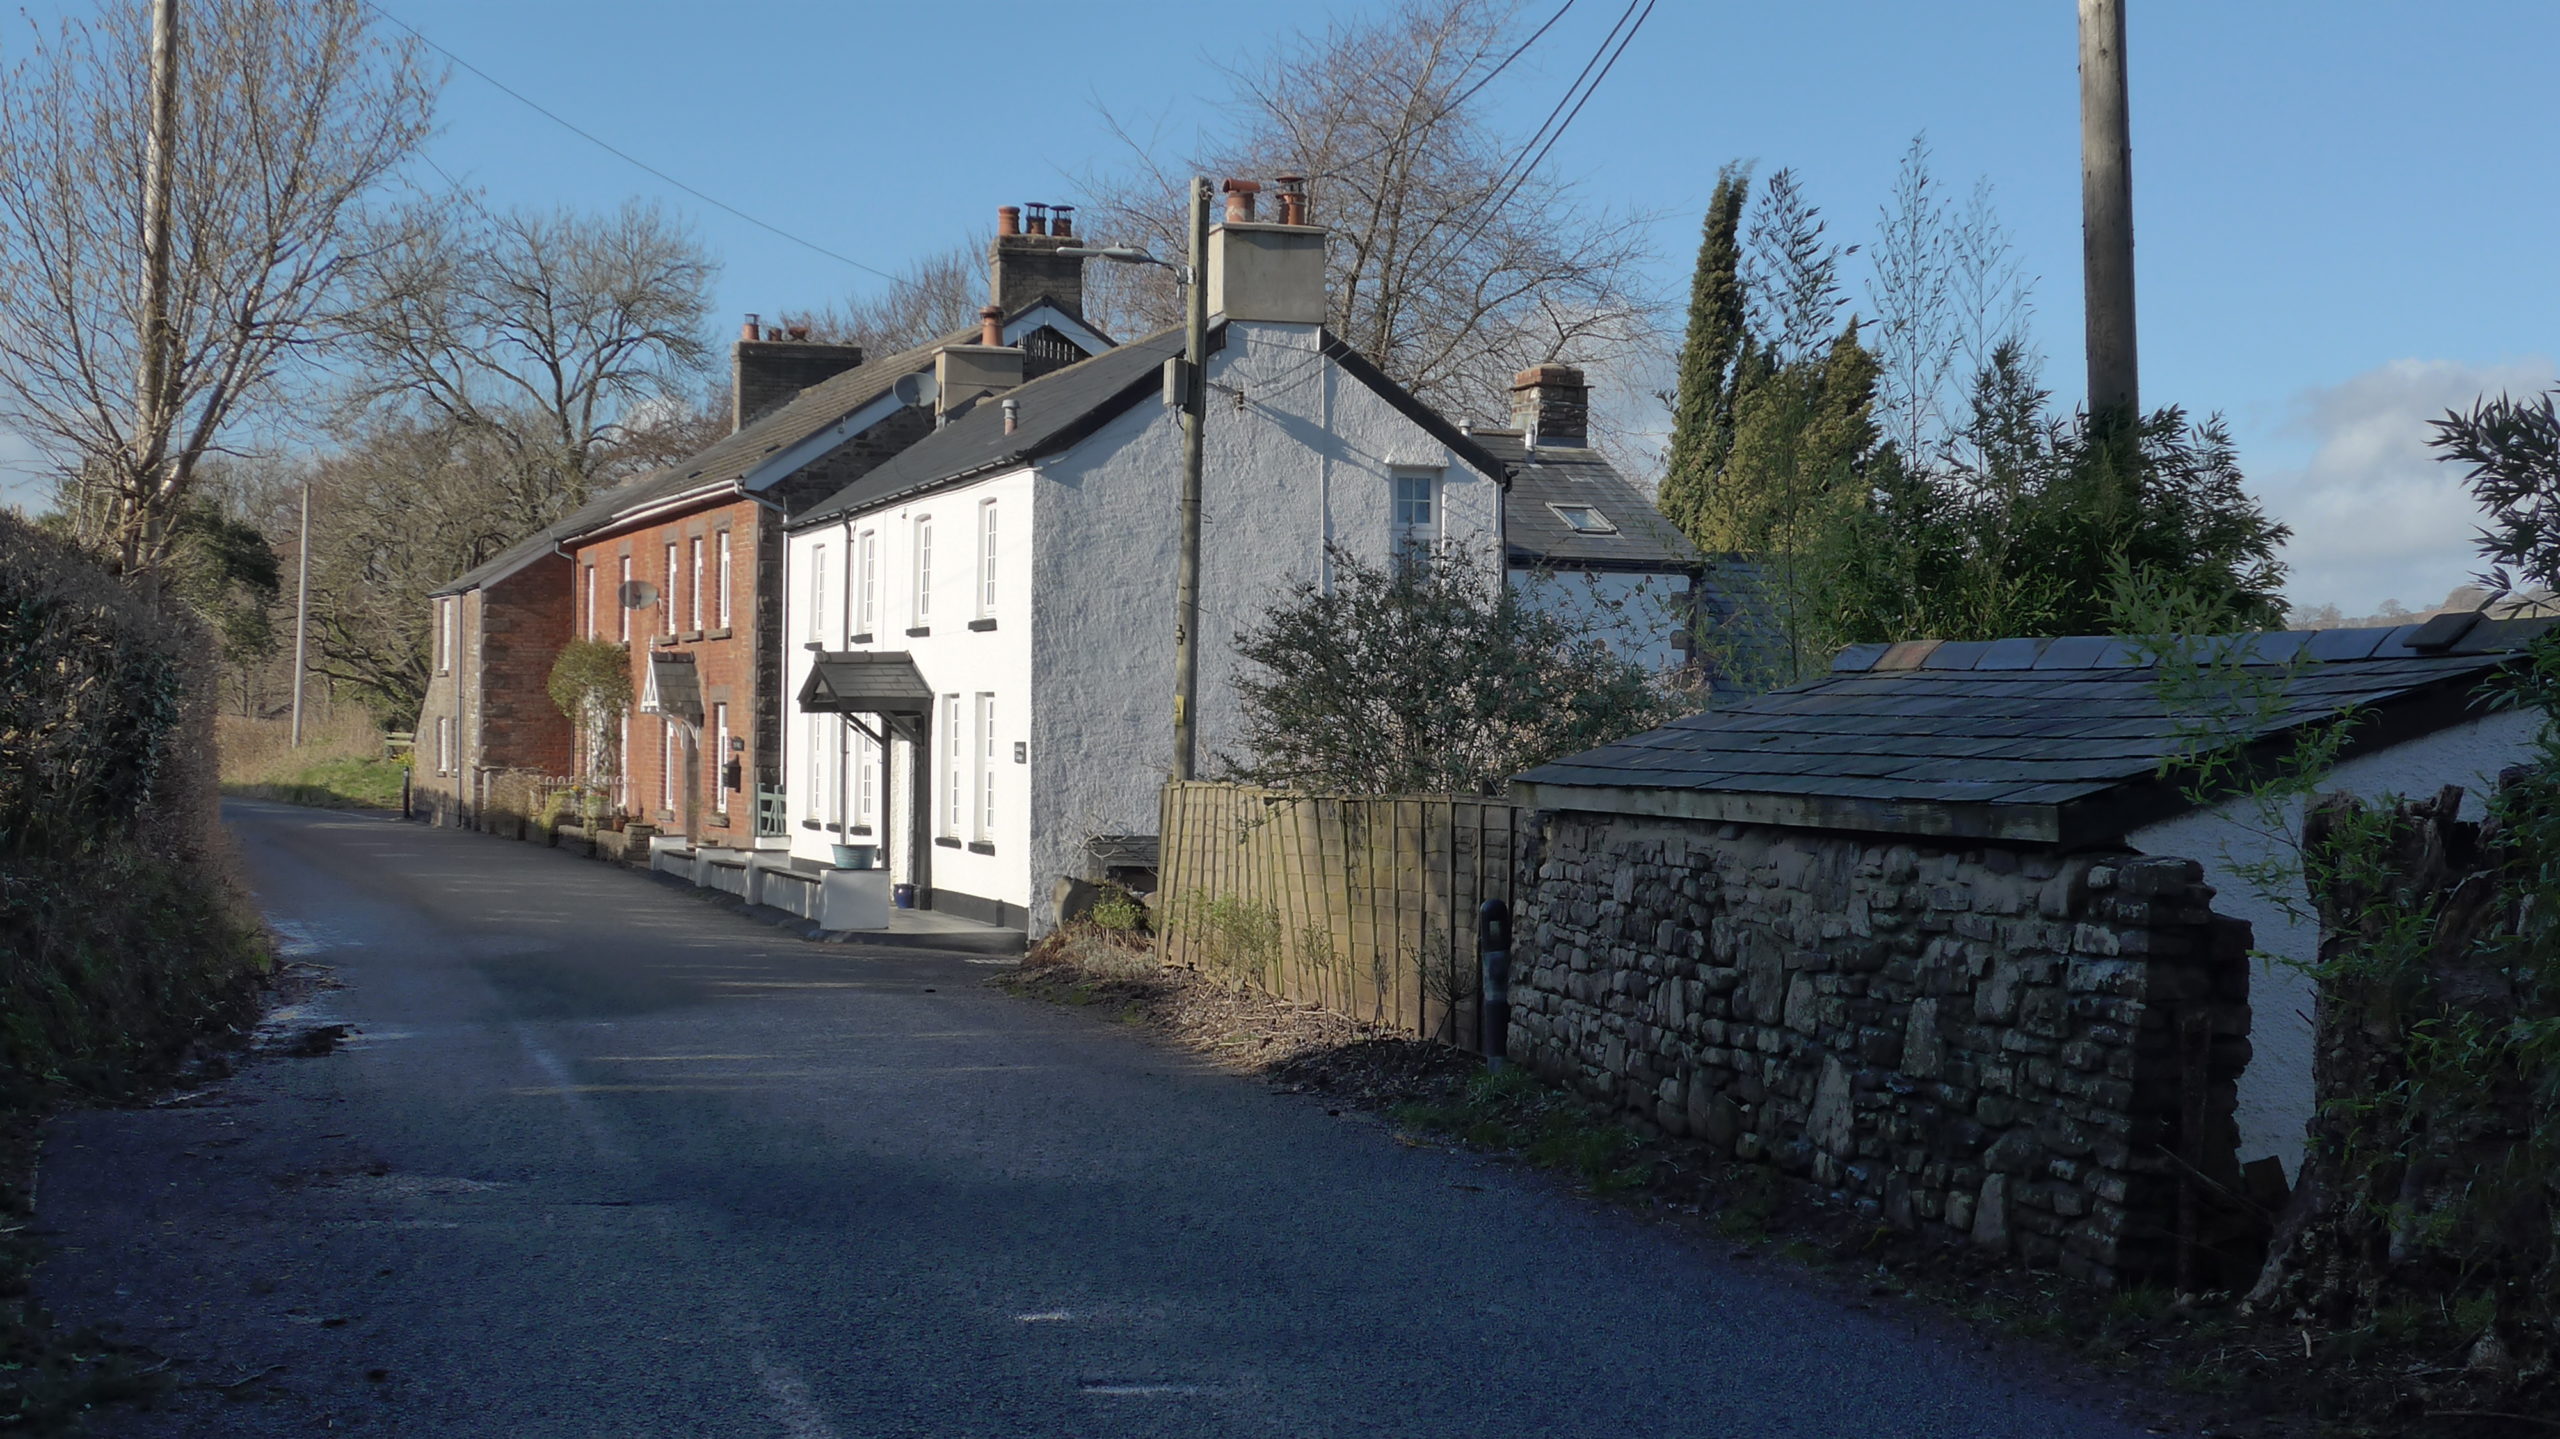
column 1977, row 1043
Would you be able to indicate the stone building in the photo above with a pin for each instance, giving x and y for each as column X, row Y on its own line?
column 1938, row 931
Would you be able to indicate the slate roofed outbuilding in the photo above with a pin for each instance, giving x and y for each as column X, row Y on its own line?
column 2048, row 740
column 1061, row 408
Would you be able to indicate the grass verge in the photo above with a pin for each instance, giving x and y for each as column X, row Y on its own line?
column 340, row 765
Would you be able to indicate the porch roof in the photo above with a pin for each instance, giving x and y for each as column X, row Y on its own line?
column 876, row 682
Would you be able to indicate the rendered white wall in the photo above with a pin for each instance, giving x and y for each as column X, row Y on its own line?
column 953, row 658
column 2275, row 1090
column 1644, row 617
column 1296, row 453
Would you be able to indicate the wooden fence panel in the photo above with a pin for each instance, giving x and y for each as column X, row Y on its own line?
column 1366, row 906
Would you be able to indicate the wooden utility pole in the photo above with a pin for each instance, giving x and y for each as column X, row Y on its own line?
column 141, row 538
column 2106, row 213
column 1195, row 410
column 301, row 614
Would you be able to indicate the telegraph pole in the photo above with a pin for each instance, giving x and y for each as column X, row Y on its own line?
column 2106, row 214
column 301, row 613
column 1195, row 409
column 142, row 541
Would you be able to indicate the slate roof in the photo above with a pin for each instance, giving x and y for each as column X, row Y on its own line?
column 1544, row 475
column 2057, row 740
column 881, row 682
column 1060, row 408
column 725, row 461
column 505, row 562
column 675, row 688
column 1052, row 413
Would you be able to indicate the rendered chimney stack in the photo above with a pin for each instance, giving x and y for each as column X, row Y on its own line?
column 1008, row 219
column 1240, row 195
column 1293, row 199
column 990, row 326
column 1038, row 224
column 1552, row 406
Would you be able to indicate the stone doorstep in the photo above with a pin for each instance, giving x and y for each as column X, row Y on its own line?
column 942, row 932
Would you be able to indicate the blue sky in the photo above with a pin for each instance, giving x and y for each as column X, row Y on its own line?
column 2341, row 208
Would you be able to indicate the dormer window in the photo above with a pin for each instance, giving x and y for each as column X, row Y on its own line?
column 1584, row 519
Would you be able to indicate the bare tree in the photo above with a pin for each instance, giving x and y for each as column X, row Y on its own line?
column 936, row 296
column 1948, row 293
column 563, row 340
column 291, row 114
column 402, row 507
column 1456, row 255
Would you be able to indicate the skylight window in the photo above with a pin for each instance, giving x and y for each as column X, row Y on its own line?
column 1584, row 520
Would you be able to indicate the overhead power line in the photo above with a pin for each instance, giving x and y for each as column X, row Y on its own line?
column 635, row 161
column 1462, row 97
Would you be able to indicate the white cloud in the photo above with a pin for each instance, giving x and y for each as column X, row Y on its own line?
column 2375, row 515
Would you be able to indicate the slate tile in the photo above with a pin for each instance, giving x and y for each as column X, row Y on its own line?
column 2019, row 654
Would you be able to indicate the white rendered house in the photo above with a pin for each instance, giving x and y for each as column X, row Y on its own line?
column 983, row 628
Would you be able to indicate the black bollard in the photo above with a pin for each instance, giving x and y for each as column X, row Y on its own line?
column 1493, row 946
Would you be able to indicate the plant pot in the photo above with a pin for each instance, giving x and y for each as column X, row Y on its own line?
column 855, row 856
column 903, row 895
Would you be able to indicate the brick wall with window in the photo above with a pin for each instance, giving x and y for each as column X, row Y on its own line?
column 704, row 564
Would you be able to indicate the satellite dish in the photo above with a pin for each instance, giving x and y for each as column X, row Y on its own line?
column 637, row 594
column 916, row 389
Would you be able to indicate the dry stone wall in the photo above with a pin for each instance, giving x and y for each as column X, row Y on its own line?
column 2011, row 1048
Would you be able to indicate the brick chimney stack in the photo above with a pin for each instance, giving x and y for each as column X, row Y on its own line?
column 1552, row 406
column 770, row 366
column 1023, row 263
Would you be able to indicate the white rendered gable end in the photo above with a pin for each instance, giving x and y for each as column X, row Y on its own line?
column 1087, row 338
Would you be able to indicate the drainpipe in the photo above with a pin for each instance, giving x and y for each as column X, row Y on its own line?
column 844, row 725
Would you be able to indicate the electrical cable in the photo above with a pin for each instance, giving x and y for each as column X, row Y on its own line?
column 1462, row 98
column 635, row 161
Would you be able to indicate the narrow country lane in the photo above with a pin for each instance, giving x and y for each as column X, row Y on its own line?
column 606, row 1161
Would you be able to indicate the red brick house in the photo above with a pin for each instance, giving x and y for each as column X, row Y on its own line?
column 684, row 564
column 488, row 711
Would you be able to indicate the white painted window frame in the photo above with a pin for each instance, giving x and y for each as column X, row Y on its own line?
column 693, row 569
column 952, row 760
column 987, row 558
column 720, row 758
column 622, row 611
column 867, row 553
column 985, row 807
column 725, row 575
column 923, row 599
column 667, row 602
column 1408, row 539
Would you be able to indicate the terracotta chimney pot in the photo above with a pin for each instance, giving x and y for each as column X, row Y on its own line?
column 1008, row 219
column 747, row 331
column 1240, row 195
column 991, row 326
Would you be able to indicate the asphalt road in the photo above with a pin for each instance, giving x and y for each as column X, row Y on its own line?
column 603, row 1160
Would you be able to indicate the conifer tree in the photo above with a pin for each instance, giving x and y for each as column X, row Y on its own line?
column 1712, row 359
